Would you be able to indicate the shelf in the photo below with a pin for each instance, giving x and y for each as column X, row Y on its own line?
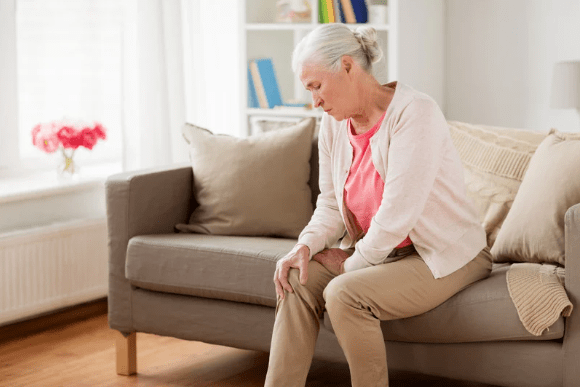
column 304, row 26
column 285, row 112
column 280, row 26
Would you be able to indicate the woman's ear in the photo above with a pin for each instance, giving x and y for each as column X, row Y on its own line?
column 347, row 63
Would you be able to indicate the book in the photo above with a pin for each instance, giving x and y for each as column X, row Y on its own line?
column 328, row 6
column 258, row 85
column 348, row 11
column 252, row 97
column 265, row 84
column 360, row 10
column 322, row 11
column 294, row 105
column 269, row 81
column 339, row 14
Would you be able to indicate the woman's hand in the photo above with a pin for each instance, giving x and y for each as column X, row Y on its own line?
column 332, row 260
column 298, row 257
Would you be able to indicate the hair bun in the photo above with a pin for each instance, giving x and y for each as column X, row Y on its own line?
column 329, row 42
column 367, row 37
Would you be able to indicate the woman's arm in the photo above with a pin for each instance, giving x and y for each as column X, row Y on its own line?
column 415, row 155
column 326, row 226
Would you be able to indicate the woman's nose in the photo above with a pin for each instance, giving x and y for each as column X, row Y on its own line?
column 316, row 101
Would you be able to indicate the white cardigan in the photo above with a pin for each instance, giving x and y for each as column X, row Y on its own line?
column 424, row 197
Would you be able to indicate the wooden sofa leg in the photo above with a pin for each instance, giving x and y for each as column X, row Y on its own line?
column 126, row 354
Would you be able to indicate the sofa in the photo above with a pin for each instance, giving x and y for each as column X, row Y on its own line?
column 219, row 289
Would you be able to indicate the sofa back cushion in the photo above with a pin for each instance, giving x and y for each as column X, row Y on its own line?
column 495, row 160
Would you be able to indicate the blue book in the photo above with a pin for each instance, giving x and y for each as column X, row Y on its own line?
column 268, row 85
column 360, row 10
column 270, row 82
column 295, row 104
column 340, row 12
column 252, row 97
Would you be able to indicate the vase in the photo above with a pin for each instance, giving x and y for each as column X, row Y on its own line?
column 67, row 167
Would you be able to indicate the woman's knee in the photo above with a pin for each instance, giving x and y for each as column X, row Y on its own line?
column 335, row 290
column 294, row 277
column 314, row 276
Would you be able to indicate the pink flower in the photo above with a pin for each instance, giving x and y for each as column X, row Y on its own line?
column 100, row 131
column 89, row 138
column 69, row 137
column 43, row 137
column 49, row 137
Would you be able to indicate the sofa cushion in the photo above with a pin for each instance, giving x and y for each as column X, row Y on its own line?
column 234, row 268
column 533, row 230
column 254, row 186
column 495, row 160
column 242, row 269
column 483, row 311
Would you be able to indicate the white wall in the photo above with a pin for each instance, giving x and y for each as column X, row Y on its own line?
column 8, row 85
column 421, row 46
column 499, row 60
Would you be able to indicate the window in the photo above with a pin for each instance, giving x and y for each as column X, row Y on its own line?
column 68, row 65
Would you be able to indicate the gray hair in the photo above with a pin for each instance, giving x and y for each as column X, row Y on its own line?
column 328, row 43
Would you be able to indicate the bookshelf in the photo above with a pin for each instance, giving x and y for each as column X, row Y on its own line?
column 412, row 42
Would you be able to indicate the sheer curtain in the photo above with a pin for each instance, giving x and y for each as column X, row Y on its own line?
column 153, row 98
column 212, row 54
column 181, row 64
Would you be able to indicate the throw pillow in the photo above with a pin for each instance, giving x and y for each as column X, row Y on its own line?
column 495, row 160
column 264, row 126
column 254, row 186
column 268, row 124
column 533, row 230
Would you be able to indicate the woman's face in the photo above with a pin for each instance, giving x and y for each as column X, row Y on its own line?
column 329, row 90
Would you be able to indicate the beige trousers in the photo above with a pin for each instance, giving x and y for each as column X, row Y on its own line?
column 356, row 302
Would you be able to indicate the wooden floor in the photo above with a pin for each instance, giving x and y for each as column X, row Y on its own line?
column 82, row 353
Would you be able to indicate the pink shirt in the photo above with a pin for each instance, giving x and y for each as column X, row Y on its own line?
column 364, row 186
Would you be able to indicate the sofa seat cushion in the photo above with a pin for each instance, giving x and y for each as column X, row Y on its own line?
column 241, row 269
column 483, row 311
column 232, row 268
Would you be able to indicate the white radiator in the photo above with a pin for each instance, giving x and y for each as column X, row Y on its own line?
column 51, row 267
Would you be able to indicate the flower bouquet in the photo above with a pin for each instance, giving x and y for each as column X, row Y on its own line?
column 66, row 135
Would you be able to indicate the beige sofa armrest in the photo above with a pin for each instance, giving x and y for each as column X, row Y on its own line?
column 148, row 201
column 572, row 332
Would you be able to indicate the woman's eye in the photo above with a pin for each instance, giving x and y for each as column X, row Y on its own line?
column 312, row 88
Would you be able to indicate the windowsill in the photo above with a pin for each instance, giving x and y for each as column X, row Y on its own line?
column 48, row 183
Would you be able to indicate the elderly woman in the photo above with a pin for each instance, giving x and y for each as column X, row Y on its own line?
column 391, row 179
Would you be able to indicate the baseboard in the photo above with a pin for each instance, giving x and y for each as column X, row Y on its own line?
column 53, row 320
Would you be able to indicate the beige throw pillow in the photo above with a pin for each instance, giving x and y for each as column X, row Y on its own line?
column 264, row 126
column 254, row 186
column 495, row 160
column 533, row 230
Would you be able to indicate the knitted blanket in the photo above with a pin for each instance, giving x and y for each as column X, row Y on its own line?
column 538, row 293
